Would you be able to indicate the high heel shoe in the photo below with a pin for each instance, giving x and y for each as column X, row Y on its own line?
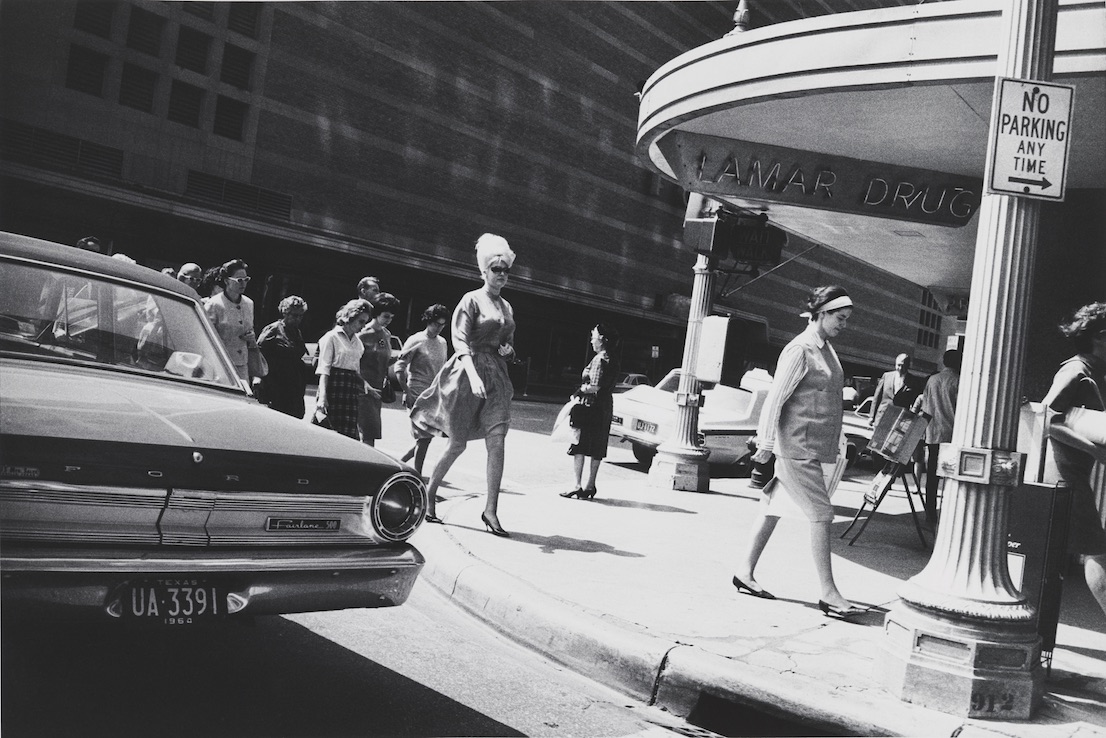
column 587, row 494
column 832, row 611
column 434, row 519
column 495, row 529
column 744, row 588
column 574, row 493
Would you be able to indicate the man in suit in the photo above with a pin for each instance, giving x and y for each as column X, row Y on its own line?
column 897, row 387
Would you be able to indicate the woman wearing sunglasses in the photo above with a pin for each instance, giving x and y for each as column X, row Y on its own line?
column 231, row 312
column 471, row 396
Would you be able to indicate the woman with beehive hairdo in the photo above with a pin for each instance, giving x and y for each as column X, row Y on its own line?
column 800, row 424
column 471, row 396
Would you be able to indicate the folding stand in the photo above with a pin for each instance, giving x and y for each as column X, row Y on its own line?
column 881, row 485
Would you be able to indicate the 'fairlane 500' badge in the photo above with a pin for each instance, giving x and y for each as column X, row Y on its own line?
column 296, row 524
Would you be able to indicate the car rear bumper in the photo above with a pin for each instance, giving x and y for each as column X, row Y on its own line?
column 90, row 584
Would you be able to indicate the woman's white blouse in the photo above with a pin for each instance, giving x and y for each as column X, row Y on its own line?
column 339, row 351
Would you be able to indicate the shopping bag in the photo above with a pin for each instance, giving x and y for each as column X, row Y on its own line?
column 563, row 432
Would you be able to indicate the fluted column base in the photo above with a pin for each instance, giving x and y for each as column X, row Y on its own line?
column 685, row 470
column 960, row 665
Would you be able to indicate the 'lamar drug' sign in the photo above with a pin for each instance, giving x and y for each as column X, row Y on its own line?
column 1030, row 139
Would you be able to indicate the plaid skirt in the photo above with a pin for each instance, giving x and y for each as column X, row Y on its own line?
column 343, row 392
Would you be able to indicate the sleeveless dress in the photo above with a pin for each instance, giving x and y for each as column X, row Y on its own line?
column 448, row 407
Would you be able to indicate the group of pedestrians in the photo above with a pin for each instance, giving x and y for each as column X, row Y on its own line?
column 468, row 395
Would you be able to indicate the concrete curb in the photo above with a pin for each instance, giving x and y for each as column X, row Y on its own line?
column 587, row 644
column 657, row 671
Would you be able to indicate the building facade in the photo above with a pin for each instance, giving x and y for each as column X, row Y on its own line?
column 323, row 142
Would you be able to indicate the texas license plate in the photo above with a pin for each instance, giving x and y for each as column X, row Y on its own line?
column 644, row 425
column 173, row 602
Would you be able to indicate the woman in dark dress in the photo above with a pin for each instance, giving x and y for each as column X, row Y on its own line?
column 597, row 392
column 282, row 345
column 1081, row 383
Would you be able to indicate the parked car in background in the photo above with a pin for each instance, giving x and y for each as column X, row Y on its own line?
column 141, row 483
column 645, row 416
column 629, row 380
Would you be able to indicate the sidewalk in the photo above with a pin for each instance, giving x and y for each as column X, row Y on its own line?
column 633, row 590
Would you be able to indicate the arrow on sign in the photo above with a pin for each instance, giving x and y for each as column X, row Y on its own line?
column 1043, row 183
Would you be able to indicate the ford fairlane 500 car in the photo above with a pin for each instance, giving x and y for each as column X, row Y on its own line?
column 644, row 416
column 140, row 482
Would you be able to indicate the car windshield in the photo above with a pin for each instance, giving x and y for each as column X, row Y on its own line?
column 48, row 312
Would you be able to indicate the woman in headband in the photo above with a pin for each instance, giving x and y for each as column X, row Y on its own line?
column 800, row 424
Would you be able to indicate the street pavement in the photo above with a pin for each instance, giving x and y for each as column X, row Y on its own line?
column 633, row 589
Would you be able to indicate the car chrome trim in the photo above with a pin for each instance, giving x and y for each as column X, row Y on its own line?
column 42, row 510
column 398, row 506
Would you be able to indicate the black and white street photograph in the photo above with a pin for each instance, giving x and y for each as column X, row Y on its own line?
column 582, row 368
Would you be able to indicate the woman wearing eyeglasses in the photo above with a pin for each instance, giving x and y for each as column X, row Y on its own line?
column 231, row 312
column 471, row 396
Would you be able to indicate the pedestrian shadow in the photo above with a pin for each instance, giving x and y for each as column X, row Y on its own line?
column 650, row 506
column 553, row 544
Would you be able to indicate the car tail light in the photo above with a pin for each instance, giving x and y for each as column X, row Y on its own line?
column 398, row 506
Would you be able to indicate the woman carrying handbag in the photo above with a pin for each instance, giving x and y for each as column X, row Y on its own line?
column 591, row 414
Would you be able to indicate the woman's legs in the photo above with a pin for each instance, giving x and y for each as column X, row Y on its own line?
column 420, row 449
column 820, row 548
column 495, row 444
column 594, row 470
column 451, row 453
column 578, row 468
column 763, row 527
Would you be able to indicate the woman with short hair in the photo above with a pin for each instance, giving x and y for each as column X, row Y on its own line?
column 231, row 312
column 423, row 355
column 281, row 343
column 596, row 392
column 375, row 360
column 339, row 369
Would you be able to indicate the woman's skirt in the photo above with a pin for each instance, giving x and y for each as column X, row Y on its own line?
column 449, row 408
column 799, row 485
column 344, row 390
column 595, row 434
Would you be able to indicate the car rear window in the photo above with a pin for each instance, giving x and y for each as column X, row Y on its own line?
column 51, row 313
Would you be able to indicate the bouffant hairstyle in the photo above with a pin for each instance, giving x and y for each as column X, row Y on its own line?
column 491, row 248
column 351, row 310
column 290, row 303
column 433, row 313
column 385, row 302
column 1084, row 325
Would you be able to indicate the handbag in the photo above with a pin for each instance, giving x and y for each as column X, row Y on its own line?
column 387, row 393
column 581, row 412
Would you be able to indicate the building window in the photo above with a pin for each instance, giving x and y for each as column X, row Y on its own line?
column 192, row 50
column 144, row 32
column 86, row 71
column 94, row 16
column 205, row 10
column 136, row 88
column 242, row 18
column 929, row 321
column 230, row 118
column 185, row 103
column 237, row 65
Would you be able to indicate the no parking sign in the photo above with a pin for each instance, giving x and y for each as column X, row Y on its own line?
column 1031, row 137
